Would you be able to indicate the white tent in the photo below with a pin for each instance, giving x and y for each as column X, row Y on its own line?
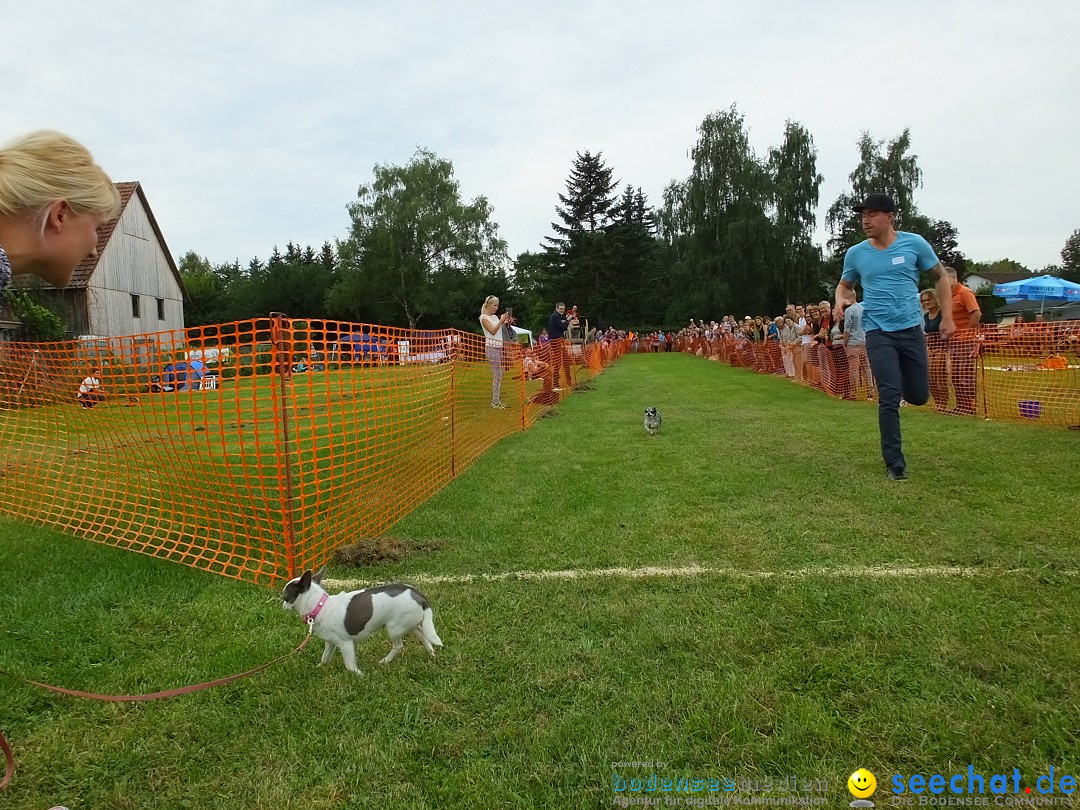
column 519, row 331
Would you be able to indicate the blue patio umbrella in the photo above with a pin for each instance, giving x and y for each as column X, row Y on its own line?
column 1038, row 288
column 183, row 375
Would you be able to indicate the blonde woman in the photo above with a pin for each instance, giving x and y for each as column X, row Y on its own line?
column 493, row 344
column 53, row 199
column 936, row 354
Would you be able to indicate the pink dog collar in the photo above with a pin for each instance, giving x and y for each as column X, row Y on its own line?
column 310, row 618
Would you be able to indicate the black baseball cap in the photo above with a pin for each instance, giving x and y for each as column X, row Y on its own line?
column 876, row 202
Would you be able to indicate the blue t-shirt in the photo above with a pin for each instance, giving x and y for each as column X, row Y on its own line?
column 890, row 280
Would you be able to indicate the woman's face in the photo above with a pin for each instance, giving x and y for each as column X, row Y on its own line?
column 68, row 239
column 926, row 301
column 493, row 306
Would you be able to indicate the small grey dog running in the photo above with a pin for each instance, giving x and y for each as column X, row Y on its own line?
column 652, row 421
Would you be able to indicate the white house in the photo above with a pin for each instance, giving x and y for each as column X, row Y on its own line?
column 132, row 287
column 978, row 281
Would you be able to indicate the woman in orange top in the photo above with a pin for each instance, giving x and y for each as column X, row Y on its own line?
column 962, row 345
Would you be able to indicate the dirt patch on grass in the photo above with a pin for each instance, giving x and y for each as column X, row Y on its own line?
column 375, row 550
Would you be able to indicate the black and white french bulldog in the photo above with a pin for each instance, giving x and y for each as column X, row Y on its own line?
column 345, row 618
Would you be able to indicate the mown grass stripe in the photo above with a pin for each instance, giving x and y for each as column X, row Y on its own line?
column 852, row 572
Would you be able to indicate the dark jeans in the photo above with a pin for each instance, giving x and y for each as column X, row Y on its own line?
column 901, row 369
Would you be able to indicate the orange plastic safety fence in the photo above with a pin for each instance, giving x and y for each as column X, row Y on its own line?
column 253, row 449
column 1023, row 372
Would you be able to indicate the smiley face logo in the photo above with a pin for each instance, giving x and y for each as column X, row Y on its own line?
column 862, row 784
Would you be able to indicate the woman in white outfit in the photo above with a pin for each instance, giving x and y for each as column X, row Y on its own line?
column 493, row 344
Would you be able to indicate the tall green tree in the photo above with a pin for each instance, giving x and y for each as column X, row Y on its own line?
column 296, row 284
column 945, row 241
column 733, row 239
column 582, row 264
column 588, row 200
column 1070, row 257
column 635, row 253
column 328, row 257
column 535, row 288
column 205, row 290
column 684, row 295
column 885, row 166
column 417, row 254
column 796, row 190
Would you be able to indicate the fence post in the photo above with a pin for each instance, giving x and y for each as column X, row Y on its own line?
column 519, row 354
column 982, row 376
column 453, row 409
column 282, row 362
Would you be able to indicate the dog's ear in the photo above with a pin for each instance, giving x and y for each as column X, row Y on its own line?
column 317, row 578
column 305, row 581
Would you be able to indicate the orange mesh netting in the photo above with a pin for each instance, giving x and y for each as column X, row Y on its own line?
column 253, row 449
column 1024, row 372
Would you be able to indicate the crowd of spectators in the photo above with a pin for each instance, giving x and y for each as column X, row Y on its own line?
column 652, row 342
column 809, row 345
column 806, row 344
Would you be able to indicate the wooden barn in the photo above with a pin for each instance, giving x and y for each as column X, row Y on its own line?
column 132, row 287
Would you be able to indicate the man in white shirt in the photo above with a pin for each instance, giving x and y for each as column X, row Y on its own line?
column 90, row 393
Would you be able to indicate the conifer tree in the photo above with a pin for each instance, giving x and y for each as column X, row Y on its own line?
column 583, row 271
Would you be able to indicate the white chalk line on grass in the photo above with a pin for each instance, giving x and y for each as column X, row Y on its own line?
column 686, row 571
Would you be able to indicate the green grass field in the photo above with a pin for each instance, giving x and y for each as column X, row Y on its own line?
column 838, row 620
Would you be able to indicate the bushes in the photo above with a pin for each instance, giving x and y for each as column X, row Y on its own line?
column 39, row 323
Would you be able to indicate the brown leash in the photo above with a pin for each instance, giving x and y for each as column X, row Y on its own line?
column 9, row 758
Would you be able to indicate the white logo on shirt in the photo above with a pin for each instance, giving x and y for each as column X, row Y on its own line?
column 898, row 260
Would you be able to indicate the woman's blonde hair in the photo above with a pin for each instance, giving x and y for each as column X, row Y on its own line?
column 931, row 293
column 38, row 169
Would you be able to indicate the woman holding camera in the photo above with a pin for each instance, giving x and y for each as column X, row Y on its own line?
column 495, row 331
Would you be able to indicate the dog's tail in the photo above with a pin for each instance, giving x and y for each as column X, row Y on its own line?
column 427, row 627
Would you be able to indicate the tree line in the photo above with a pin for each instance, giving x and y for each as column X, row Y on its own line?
column 735, row 235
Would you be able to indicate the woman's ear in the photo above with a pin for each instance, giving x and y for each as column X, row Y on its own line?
column 57, row 214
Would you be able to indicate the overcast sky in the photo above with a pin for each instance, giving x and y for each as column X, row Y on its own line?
column 253, row 123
